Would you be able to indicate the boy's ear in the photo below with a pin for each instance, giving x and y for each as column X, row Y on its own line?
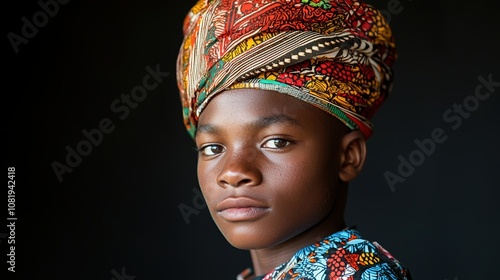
column 353, row 155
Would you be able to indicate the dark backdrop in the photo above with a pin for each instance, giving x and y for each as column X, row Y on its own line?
column 117, row 215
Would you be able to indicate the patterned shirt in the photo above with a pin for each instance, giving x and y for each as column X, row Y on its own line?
column 344, row 255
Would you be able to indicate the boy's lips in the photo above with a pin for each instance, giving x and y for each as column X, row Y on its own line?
column 235, row 209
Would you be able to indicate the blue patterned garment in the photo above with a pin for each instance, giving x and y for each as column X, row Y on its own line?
column 343, row 255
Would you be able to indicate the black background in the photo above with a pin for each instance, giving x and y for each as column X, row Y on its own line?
column 118, row 210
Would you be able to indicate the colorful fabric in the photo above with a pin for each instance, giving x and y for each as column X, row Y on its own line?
column 334, row 54
column 341, row 256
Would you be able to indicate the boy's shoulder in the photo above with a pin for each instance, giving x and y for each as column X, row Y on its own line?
column 342, row 255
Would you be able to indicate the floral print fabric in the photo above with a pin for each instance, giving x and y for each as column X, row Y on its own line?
column 344, row 255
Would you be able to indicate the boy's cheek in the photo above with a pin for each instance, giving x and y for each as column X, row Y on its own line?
column 209, row 187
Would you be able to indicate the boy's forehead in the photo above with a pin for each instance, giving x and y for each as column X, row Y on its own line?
column 257, row 109
column 253, row 103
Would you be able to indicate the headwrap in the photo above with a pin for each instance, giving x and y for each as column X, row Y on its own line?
column 334, row 54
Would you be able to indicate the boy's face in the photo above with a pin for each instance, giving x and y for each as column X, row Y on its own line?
column 268, row 167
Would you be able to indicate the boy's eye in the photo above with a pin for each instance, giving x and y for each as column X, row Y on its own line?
column 211, row 150
column 276, row 143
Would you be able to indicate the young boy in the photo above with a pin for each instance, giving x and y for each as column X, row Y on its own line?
column 278, row 96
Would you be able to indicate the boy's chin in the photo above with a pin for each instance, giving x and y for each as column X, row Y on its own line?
column 248, row 239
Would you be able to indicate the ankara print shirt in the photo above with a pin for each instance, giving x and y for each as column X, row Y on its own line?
column 343, row 255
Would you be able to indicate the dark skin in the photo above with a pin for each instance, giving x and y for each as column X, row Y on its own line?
column 274, row 171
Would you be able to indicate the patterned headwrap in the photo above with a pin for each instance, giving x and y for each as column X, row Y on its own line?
column 334, row 54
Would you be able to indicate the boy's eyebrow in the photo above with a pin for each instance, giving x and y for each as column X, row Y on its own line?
column 257, row 124
column 274, row 119
column 207, row 128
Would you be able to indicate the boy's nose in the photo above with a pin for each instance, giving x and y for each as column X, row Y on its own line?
column 239, row 169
